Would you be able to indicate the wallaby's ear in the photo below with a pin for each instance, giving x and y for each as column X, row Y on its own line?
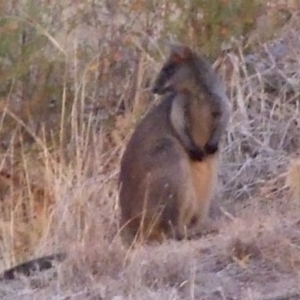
column 179, row 53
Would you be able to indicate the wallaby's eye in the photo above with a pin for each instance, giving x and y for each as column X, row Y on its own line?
column 169, row 70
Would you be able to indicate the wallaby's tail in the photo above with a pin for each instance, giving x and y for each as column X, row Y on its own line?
column 38, row 264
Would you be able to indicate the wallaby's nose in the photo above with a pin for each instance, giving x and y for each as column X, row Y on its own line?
column 155, row 90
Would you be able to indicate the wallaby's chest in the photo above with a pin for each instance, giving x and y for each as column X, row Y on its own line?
column 201, row 121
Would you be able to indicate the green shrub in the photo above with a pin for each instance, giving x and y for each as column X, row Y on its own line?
column 208, row 23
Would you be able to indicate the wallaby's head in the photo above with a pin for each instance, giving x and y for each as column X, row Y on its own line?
column 178, row 72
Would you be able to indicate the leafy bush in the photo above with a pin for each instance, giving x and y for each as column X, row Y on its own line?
column 208, row 23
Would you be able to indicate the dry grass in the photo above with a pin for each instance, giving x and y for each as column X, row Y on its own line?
column 61, row 191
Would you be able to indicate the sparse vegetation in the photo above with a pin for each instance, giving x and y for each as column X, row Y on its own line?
column 75, row 79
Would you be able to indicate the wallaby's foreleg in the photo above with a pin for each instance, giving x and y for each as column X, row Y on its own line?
column 181, row 124
column 221, row 119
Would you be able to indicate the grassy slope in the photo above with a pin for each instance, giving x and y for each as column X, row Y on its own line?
column 256, row 253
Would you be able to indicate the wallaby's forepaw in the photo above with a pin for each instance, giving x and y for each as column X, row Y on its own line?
column 196, row 154
column 211, row 148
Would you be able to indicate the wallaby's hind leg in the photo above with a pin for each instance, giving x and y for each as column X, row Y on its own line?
column 186, row 199
column 187, row 208
column 174, row 201
column 204, row 179
column 154, row 201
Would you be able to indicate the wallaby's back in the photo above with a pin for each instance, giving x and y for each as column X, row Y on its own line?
column 151, row 171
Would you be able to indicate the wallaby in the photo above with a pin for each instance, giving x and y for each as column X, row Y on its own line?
column 200, row 110
column 169, row 168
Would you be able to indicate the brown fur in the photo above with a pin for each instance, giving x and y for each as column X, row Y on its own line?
column 204, row 176
column 167, row 176
column 155, row 165
column 201, row 106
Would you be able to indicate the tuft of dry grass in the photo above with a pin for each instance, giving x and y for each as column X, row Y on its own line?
column 293, row 178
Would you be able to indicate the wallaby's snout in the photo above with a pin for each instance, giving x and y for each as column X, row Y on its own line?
column 163, row 82
column 158, row 91
column 162, row 90
column 161, row 85
column 176, row 71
